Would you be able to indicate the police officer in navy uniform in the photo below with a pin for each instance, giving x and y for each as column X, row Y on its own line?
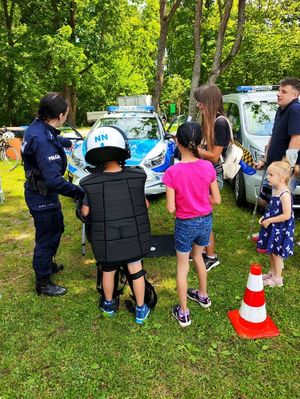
column 286, row 130
column 45, row 163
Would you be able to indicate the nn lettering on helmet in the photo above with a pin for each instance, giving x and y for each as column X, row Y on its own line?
column 101, row 137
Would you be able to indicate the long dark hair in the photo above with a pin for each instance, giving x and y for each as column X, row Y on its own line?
column 210, row 96
column 189, row 135
column 51, row 106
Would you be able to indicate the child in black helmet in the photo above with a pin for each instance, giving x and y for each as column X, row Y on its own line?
column 117, row 217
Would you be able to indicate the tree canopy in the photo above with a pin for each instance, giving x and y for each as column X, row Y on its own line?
column 94, row 51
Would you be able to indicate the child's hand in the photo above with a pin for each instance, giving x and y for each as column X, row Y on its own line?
column 260, row 220
column 265, row 223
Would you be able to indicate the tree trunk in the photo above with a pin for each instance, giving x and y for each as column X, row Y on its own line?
column 70, row 93
column 159, row 79
column 197, row 58
column 162, row 43
column 10, row 78
column 220, row 66
column 220, row 41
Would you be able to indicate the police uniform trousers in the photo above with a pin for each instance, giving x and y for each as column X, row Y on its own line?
column 49, row 226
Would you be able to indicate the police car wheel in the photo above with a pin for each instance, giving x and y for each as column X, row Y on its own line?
column 239, row 189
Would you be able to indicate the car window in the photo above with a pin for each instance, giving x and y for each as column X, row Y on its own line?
column 259, row 117
column 135, row 128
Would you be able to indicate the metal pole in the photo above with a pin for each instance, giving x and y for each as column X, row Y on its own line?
column 2, row 198
column 83, row 251
column 256, row 204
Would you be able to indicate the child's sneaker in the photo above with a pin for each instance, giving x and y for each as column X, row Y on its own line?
column 267, row 276
column 108, row 307
column 210, row 262
column 203, row 301
column 183, row 318
column 274, row 282
column 141, row 313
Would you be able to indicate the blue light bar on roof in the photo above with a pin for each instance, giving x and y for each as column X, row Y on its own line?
column 256, row 88
column 138, row 108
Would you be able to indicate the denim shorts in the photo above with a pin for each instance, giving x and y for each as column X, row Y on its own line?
column 192, row 231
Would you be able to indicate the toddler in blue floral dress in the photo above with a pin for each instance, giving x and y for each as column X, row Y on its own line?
column 277, row 225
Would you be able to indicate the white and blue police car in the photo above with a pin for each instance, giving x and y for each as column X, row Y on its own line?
column 151, row 147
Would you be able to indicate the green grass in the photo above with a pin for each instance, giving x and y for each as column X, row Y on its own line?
column 63, row 348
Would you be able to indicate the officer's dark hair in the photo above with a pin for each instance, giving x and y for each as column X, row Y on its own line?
column 189, row 135
column 294, row 82
column 51, row 106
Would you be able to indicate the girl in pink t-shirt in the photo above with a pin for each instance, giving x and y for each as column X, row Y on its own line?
column 192, row 189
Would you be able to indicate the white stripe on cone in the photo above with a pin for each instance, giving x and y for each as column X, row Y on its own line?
column 253, row 314
column 255, row 283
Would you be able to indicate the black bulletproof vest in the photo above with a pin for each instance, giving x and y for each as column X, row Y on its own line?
column 118, row 227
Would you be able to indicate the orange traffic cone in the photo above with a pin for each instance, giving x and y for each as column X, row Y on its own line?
column 251, row 321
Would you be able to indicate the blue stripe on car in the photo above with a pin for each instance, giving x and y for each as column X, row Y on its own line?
column 169, row 160
column 139, row 150
column 71, row 168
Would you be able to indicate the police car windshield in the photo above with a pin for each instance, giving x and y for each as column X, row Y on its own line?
column 259, row 117
column 136, row 127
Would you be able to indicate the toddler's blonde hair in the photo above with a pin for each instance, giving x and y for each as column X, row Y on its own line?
column 283, row 168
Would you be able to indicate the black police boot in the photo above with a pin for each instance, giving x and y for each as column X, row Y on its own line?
column 45, row 286
column 57, row 267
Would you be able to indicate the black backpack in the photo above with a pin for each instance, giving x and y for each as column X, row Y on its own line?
column 122, row 276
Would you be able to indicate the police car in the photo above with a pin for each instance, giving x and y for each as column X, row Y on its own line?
column 251, row 112
column 151, row 147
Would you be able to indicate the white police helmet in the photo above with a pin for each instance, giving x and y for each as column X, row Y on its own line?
column 106, row 143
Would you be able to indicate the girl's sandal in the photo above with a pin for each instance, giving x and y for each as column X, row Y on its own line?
column 273, row 282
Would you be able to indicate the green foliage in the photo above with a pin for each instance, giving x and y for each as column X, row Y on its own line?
column 269, row 50
column 63, row 348
column 109, row 48
column 176, row 90
column 109, row 42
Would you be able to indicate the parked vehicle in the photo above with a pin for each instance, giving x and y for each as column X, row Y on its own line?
column 72, row 134
column 151, row 147
column 251, row 112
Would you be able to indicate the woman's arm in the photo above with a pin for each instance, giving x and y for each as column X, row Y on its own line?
column 170, row 194
column 222, row 138
column 215, row 196
column 212, row 155
column 286, row 211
